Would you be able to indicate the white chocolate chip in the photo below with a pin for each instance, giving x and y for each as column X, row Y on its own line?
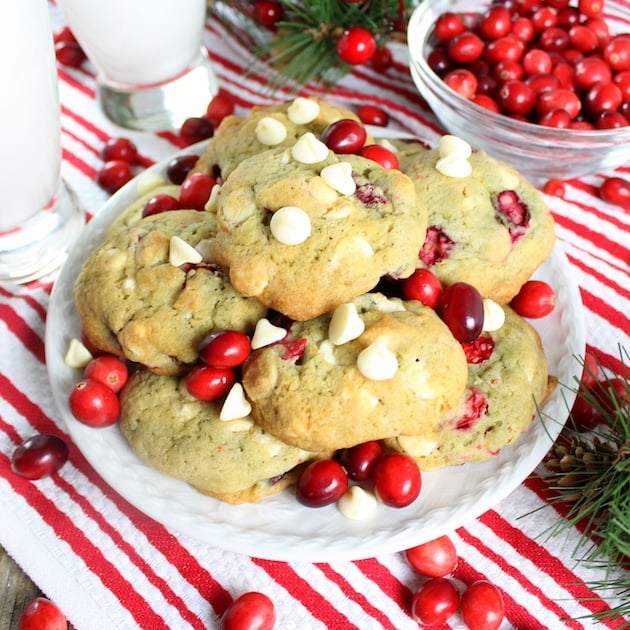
column 180, row 252
column 357, row 504
column 377, row 362
column 270, row 131
column 77, row 356
column 339, row 177
column 309, row 150
column 235, row 405
column 147, row 181
column 386, row 144
column 239, row 425
column 211, row 204
column 493, row 315
column 266, row 333
column 327, row 350
column 345, row 324
column 303, row 111
column 454, row 166
column 290, row 225
column 454, row 145
column 416, row 445
column 204, row 247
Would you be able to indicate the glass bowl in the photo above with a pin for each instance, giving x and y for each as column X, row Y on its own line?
column 538, row 152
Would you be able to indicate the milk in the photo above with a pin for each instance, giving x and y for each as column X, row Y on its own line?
column 137, row 42
column 30, row 149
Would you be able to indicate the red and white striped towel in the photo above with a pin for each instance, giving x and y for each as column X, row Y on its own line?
column 109, row 566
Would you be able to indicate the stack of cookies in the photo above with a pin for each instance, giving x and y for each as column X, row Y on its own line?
column 298, row 247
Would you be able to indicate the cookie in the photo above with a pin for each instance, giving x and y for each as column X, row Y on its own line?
column 507, row 380
column 303, row 238
column 182, row 437
column 491, row 228
column 265, row 127
column 329, row 386
column 133, row 301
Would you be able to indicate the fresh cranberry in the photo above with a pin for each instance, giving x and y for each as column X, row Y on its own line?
column 617, row 52
column 397, row 480
column 555, row 187
column 42, row 614
column 70, row 54
column 535, row 299
column 195, row 191
column 225, row 349
column 113, row 175
column 495, row 22
column 220, row 107
column 120, row 149
column 251, row 610
column 603, row 97
column 382, row 58
column 615, row 190
column 108, row 369
column 160, row 203
column 94, row 403
column 377, row 153
column 196, row 129
column 424, row 286
column 356, row 45
column 209, row 383
column 448, row 25
column 435, row 558
column 482, row 606
column 344, row 136
column 321, row 483
column 461, row 309
column 516, row 97
column 435, row 602
column 462, row 81
column 359, row 460
column 591, row 8
column 465, row 47
column 178, row 168
column 39, row 456
column 371, row 115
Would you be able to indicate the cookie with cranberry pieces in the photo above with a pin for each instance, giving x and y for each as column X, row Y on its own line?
column 507, row 381
column 141, row 296
column 303, row 237
column 182, row 437
column 264, row 127
column 373, row 368
column 490, row 228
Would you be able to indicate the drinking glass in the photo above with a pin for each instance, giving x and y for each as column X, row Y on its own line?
column 39, row 218
column 152, row 70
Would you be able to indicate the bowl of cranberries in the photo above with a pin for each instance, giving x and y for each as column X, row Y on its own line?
column 541, row 84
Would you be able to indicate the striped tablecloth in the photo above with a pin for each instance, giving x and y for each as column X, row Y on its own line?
column 109, row 566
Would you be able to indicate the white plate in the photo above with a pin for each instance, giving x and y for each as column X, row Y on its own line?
column 279, row 527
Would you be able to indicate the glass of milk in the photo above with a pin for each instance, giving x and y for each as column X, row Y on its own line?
column 38, row 217
column 152, row 70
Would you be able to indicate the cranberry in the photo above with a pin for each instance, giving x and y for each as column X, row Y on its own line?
column 590, row 371
column 359, row 460
column 42, row 614
column 479, row 350
column 196, row 129
column 225, row 349
column 603, row 97
column 436, row 247
column 461, row 309
column 108, row 369
column 370, row 115
column 70, row 54
column 617, row 52
column 94, row 403
column 516, row 97
column 39, row 456
column 591, row 8
column 508, row 48
column 435, row 558
column 590, row 71
column 555, row 187
column 195, row 191
column 160, row 203
column 462, row 81
column 435, row 602
column 321, row 483
column 496, row 22
column 344, row 136
column 559, row 98
column 178, row 168
column 120, row 149
column 356, row 45
column 250, row 611
column 397, row 480
column 379, row 154
column 220, row 106
column 611, row 394
column 424, row 286
column 584, row 416
column 482, row 606
column 448, row 25
column 382, row 58
column 268, row 13
column 114, row 175
column 465, row 47
column 537, row 61
column 615, row 190
column 535, row 299
column 209, row 383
